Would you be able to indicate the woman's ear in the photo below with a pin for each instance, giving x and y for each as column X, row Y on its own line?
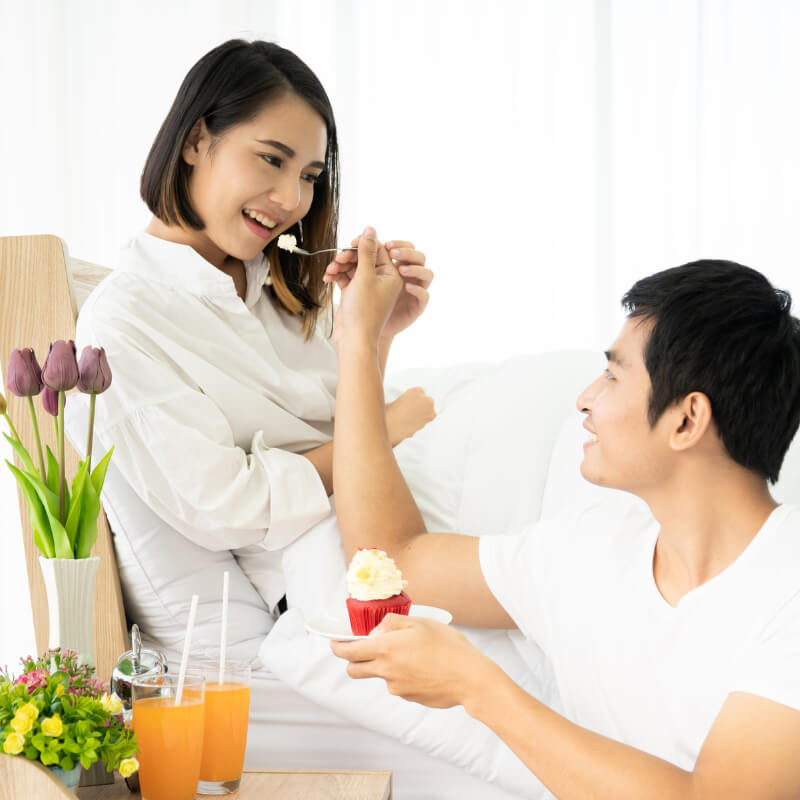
column 693, row 418
column 196, row 143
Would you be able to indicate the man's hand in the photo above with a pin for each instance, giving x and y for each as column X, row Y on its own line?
column 406, row 415
column 370, row 296
column 417, row 278
column 420, row 660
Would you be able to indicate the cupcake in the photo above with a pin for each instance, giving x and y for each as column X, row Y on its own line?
column 376, row 589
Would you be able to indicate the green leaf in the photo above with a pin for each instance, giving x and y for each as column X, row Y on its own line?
column 23, row 454
column 66, row 763
column 42, row 534
column 75, row 506
column 99, row 472
column 52, row 471
column 87, row 529
column 50, row 501
column 31, row 752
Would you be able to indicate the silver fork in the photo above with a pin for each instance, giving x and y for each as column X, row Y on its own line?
column 302, row 252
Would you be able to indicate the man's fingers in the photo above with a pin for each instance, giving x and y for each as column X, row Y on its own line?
column 367, row 252
column 358, row 650
column 392, row 622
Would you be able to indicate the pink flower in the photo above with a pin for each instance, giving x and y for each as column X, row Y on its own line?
column 60, row 371
column 50, row 401
column 95, row 375
column 24, row 375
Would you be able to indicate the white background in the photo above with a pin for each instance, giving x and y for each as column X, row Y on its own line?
column 545, row 154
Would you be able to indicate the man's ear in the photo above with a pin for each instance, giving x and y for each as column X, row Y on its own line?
column 196, row 143
column 691, row 419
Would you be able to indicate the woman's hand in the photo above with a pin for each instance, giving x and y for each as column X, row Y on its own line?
column 406, row 415
column 416, row 277
column 420, row 660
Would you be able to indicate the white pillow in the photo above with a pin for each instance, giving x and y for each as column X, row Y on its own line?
column 160, row 569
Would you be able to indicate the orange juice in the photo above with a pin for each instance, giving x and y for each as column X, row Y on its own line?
column 225, row 738
column 170, row 746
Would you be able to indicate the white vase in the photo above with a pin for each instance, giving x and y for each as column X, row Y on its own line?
column 70, row 586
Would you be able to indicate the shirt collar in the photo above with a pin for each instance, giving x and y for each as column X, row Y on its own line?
column 178, row 265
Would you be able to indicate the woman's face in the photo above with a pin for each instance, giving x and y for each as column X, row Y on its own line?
column 257, row 179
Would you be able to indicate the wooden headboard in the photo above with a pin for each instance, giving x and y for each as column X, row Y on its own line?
column 39, row 300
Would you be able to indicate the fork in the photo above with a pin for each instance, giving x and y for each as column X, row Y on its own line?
column 302, row 252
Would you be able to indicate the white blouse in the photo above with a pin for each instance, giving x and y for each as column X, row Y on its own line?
column 212, row 397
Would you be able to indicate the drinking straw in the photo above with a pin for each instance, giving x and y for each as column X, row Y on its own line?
column 224, row 633
column 187, row 643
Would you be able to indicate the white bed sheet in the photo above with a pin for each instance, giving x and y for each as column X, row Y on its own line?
column 288, row 731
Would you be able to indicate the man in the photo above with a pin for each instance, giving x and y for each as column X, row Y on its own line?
column 675, row 638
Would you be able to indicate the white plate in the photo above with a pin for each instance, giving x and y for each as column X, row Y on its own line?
column 338, row 627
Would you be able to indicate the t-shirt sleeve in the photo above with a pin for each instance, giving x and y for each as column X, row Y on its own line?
column 771, row 667
column 515, row 569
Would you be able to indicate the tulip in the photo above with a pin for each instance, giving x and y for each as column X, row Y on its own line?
column 95, row 378
column 94, row 373
column 50, row 401
column 24, row 379
column 60, row 371
column 24, row 375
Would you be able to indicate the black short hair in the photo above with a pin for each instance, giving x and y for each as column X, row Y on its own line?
column 722, row 329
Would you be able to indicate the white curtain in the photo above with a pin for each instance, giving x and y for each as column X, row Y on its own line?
column 544, row 153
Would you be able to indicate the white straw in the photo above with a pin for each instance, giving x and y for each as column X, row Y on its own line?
column 187, row 643
column 224, row 634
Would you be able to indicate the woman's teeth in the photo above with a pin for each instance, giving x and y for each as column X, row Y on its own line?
column 260, row 218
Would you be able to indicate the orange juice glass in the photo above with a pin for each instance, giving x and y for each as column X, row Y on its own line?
column 226, row 720
column 170, row 735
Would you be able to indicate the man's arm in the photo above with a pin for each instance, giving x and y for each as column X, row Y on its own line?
column 373, row 503
column 750, row 752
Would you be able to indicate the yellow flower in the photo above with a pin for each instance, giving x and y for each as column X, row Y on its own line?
column 52, row 726
column 13, row 744
column 128, row 766
column 111, row 703
column 21, row 723
column 59, row 690
column 29, row 710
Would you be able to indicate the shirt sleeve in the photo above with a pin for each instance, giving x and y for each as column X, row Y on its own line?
column 177, row 451
column 771, row 667
column 515, row 568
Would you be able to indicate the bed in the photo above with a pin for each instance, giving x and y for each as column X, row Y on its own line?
column 503, row 451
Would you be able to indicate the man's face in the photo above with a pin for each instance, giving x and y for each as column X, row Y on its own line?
column 624, row 452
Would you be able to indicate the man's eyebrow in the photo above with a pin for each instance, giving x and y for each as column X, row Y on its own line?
column 615, row 358
column 284, row 148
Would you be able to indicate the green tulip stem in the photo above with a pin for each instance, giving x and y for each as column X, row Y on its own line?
column 55, row 426
column 90, row 436
column 37, row 437
column 61, row 481
column 11, row 426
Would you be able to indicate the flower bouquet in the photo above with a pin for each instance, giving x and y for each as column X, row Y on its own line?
column 58, row 713
column 64, row 522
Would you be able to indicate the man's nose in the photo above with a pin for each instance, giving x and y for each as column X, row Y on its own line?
column 586, row 397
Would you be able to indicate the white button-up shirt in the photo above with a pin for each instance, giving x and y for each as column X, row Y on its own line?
column 212, row 397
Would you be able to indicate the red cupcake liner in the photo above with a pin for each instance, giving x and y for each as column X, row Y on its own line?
column 366, row 614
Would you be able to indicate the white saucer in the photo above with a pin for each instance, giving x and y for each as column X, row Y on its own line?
column 338, row 627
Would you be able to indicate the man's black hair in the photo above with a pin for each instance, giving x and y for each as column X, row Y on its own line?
column 722, row 329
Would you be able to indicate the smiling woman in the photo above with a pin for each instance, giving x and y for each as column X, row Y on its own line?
column 249, row 151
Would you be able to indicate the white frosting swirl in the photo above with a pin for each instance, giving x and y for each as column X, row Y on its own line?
column 287, row 241
column 372, row 575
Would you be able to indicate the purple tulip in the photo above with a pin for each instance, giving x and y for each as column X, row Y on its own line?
column 24, row 377
column 60, row 370
column 95, row 375
column 50, row 401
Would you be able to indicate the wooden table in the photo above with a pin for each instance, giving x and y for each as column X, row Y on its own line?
column 281, row 785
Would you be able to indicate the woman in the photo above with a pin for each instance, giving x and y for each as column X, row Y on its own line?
column 221, row 411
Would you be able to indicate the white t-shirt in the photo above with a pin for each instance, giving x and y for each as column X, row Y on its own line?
column 627, row 664
column 211, row 401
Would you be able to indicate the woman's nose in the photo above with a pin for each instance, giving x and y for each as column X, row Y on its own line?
column 287, row 193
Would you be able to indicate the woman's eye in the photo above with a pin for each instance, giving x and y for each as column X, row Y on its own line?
column 273, row 160
column 609, row 376
column 311, row 178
